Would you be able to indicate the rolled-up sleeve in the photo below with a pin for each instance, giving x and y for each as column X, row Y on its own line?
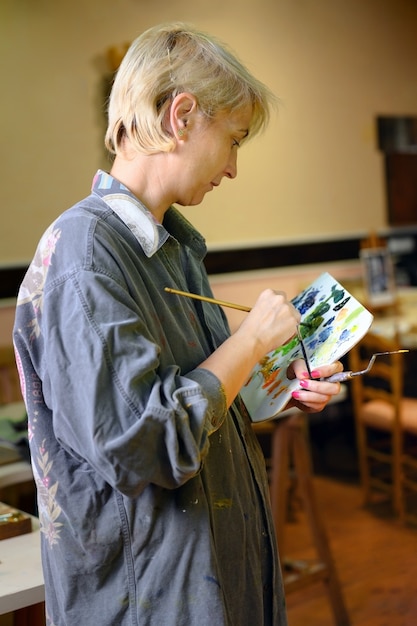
column 134, row 419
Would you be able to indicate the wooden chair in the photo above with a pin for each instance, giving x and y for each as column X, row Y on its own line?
column 287, row 462
column 386, row 425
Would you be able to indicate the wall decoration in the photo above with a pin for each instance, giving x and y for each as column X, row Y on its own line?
column 378, row 273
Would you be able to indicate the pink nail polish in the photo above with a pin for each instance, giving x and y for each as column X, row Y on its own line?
column 295, row 394
column 315, row 374
column 304, row 383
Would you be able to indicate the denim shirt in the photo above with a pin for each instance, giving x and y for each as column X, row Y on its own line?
column 153, row 498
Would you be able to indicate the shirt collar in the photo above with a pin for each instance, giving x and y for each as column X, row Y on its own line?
column 150, row 234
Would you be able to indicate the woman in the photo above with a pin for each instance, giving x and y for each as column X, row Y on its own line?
column 152, row 491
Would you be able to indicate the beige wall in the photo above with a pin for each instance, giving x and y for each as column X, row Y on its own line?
column 317, row 172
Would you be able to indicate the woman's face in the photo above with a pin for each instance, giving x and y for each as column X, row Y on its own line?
column 208, row 153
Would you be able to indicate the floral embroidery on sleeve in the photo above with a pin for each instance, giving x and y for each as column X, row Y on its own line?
column 32, row 288
column 49, row 510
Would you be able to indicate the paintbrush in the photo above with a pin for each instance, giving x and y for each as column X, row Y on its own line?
column 195, row 296
column 230, row 305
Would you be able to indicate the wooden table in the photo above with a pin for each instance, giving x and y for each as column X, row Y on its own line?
column 399, row 319
column 21, row 580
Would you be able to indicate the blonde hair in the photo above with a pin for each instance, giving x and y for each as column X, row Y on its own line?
column 170, row 59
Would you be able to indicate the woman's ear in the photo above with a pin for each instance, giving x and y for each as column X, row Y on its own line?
column 181, row 113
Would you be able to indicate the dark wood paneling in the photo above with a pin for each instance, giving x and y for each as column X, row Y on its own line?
column 10, row 279
column 401, row 178
column 245, row 259
column 237, row 260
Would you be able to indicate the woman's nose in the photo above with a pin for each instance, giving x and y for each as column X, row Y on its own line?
column 231, row 168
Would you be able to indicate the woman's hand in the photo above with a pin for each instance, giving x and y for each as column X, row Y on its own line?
column 271, row 323
column 314, row 394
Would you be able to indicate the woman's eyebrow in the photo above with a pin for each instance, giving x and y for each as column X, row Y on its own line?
column 244, row 131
